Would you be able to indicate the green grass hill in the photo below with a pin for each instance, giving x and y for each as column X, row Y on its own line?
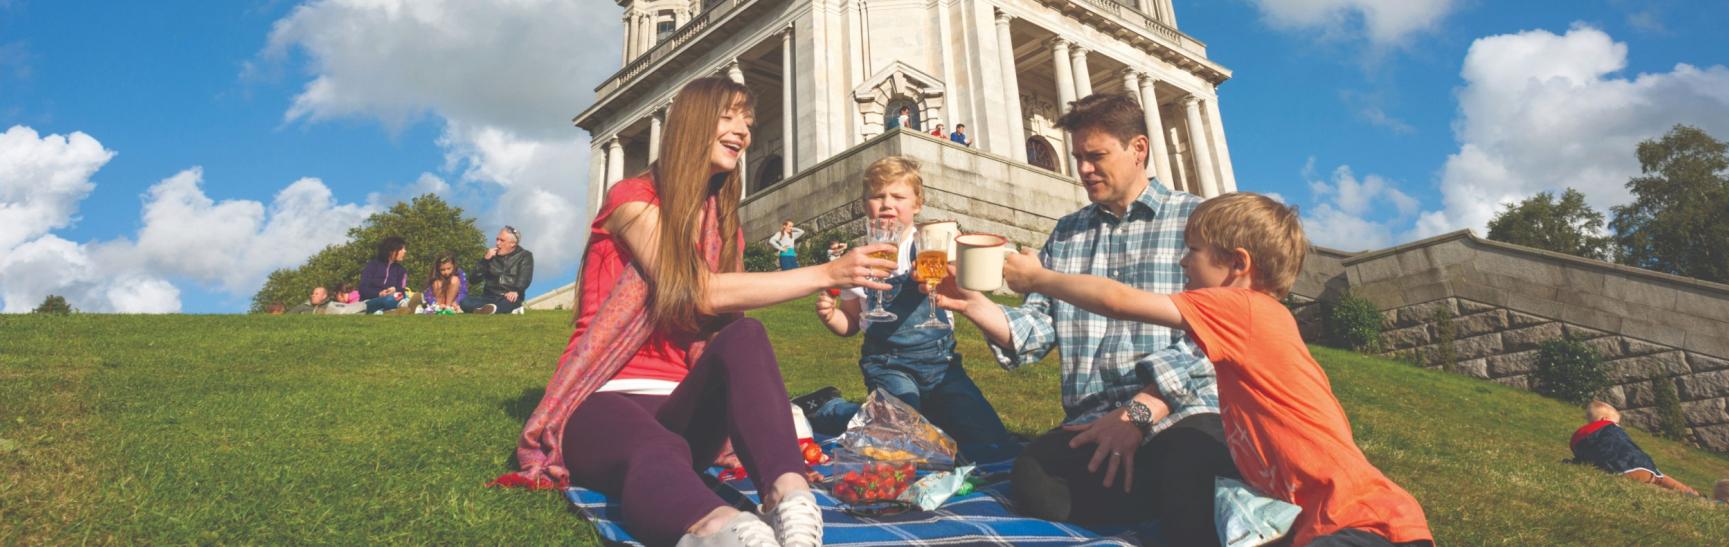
column 303, row 429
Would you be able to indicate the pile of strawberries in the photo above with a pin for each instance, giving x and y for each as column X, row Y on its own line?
column 876, row 482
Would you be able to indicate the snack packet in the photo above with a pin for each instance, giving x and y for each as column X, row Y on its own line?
column 930, row 492
column 887, row 430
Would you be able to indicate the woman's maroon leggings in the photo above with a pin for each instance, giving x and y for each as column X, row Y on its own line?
column 645, row 450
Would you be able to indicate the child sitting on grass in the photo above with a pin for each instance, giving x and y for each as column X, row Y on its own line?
column 1602, row 442
column 916, row 365
column 1286, row 432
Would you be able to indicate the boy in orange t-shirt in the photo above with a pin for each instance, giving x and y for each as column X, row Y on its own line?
column 1286, row 431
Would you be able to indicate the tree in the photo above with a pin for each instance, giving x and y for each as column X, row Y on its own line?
column 1567, row 226
column 1679, row 219
column 430, row 225
column 54, row 304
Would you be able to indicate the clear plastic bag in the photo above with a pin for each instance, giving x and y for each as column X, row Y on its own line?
column 887, row 430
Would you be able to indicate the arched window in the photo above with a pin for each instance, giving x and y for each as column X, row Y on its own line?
column 1041, row 154
column 770, row 171
column 892, row 115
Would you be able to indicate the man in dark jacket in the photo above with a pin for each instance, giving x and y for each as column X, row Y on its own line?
column 506, row 271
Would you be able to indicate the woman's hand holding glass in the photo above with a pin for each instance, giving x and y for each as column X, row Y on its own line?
column 857, row 268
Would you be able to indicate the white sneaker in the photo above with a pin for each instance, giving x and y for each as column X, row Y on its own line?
column 797, row 520
column 742, row 530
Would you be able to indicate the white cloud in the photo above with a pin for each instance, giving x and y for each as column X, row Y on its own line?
column 1383, row 22
column 1344, row 205
column 42, row 179
column 102, row 277
column 234, row 244
column 185, row 235
column 503, row 78
column 1541, row 112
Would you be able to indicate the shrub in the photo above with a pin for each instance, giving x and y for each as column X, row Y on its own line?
column 759, row 257
column 54, row 304
column 1569, row 370
column 1671, row 423
column 1355, row 323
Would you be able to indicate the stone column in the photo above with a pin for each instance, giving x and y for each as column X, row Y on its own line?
column 1132, row 84
column 1180, row 176
column 645, row 27
column 1159, row 157
column 1203, row 154
column 1221, row 153
column 1065, row 92
column 1065, row 74
column 1011, row 86
column 654, row 136
column 1083, row 78
column 614, row 161
column 629, row 38
column 596, row 177
column 787, row 113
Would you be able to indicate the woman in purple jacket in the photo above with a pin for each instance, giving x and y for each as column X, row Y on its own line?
column 384, row 282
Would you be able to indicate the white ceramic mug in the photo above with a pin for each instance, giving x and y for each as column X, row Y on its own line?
column 980, row 262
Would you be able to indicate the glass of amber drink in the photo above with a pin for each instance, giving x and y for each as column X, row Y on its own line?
column 883, row 231
column 935, row 242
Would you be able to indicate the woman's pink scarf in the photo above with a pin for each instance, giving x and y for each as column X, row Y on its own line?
column 590, row 359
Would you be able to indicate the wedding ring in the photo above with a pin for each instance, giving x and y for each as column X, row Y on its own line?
column 1116, row 453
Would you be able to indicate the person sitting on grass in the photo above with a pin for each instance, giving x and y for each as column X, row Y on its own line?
column 1285, row 430
column 915, row 364
column 384, row 281
column 346, row 293
column 315, row 303
column 507, row 270
column 1602, row 442
column 662, row 368
column 320, row 303
column 447, row 285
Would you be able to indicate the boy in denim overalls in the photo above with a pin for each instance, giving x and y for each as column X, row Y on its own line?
column 916, row 365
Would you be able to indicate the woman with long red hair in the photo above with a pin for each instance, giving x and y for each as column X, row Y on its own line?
column 662, row 369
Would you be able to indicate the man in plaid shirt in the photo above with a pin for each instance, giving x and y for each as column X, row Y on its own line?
column 1142, row 396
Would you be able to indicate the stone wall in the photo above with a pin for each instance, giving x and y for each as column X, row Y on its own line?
column 1023, row 202
column 1498, row 302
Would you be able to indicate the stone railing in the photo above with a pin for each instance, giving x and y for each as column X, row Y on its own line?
column 1134, row 18
column 683, row 35
column 1482, row 308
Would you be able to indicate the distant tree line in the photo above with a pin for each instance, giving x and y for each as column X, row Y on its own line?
column 1678, row 222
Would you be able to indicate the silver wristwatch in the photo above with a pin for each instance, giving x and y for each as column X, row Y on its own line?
column 1140, row 414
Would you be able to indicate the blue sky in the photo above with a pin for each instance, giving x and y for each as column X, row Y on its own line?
column 166, row 156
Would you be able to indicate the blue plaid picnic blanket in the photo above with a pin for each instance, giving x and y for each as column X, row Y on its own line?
column 983, row 517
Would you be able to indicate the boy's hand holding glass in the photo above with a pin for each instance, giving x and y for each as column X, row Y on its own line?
column 935, row 242
column 1022, row 271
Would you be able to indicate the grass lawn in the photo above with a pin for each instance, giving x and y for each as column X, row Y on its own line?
column 300, row 429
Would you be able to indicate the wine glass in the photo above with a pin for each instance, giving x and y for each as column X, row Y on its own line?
column 879, row 230
column 936, row 241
